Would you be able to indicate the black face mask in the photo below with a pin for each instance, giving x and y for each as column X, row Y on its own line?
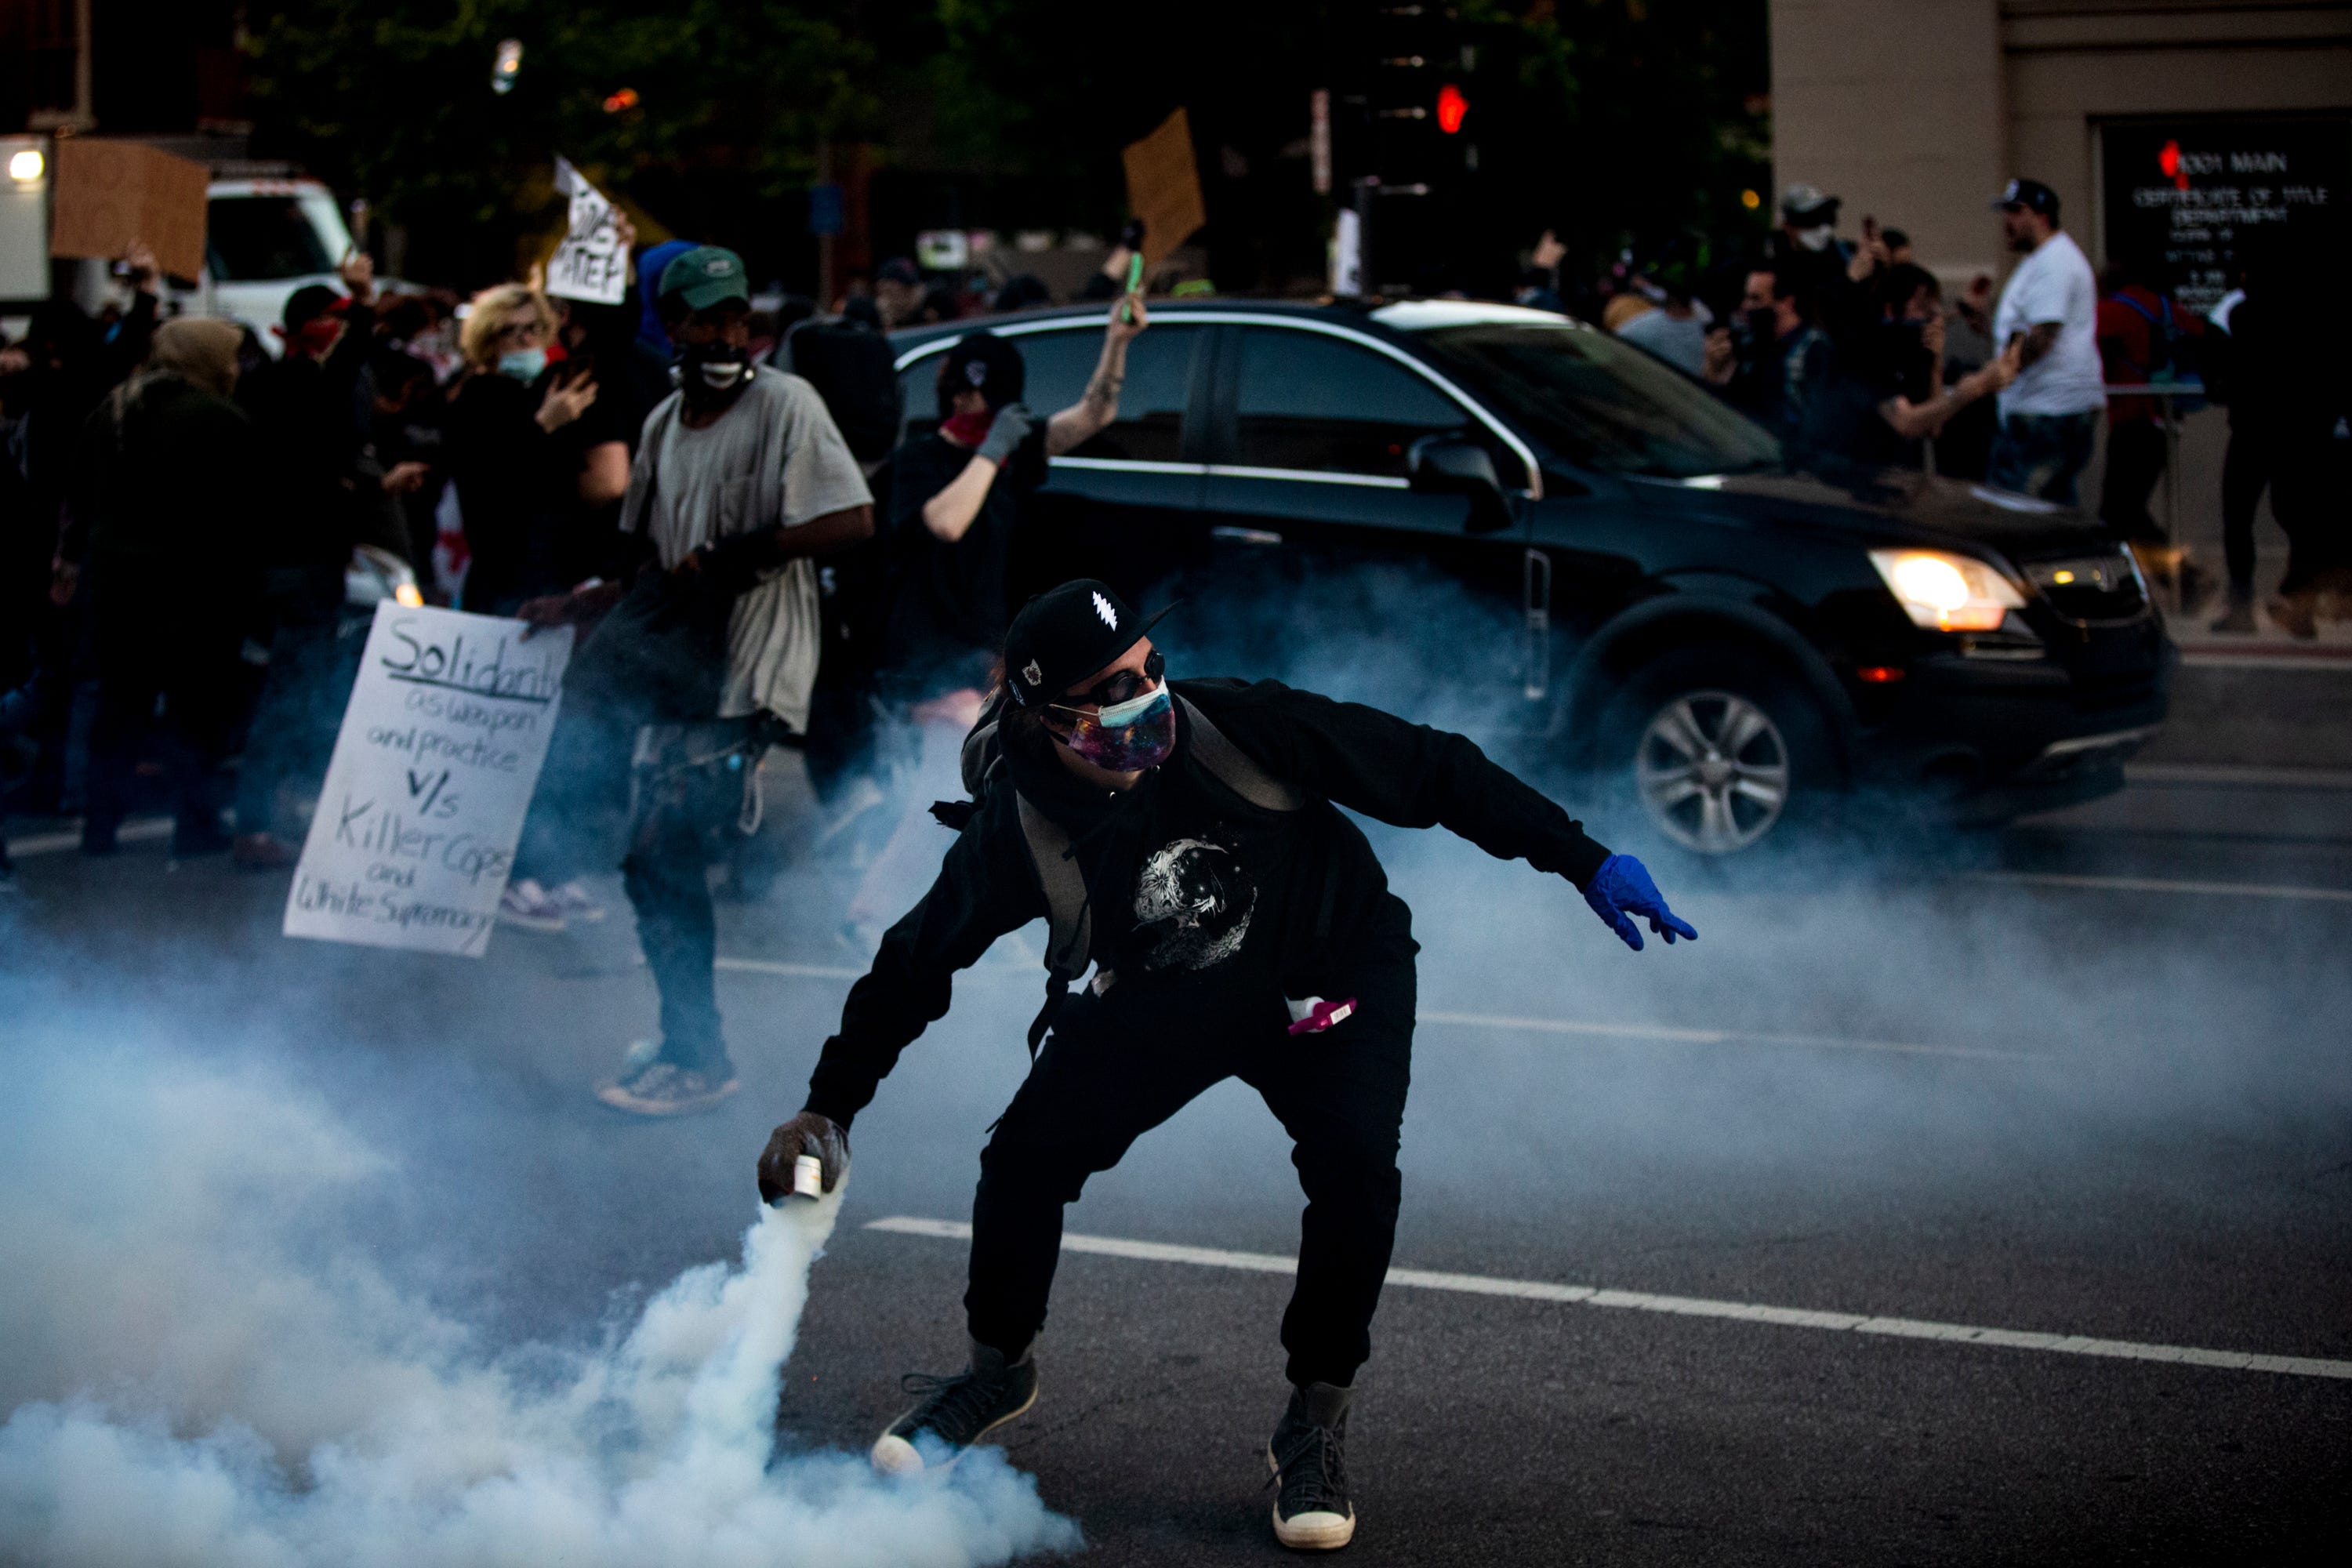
column 713, row 373
column 1762, row 326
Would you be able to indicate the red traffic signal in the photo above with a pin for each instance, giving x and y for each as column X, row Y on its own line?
column 1451, row 107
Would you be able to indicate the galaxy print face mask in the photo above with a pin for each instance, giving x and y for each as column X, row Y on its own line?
column 1125, row 737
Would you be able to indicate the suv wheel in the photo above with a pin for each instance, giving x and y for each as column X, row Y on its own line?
column 1717, row 753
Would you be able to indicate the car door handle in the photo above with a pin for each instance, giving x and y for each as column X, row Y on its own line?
column 1245, row 535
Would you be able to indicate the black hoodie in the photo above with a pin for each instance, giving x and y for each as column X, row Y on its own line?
column 1201, row 900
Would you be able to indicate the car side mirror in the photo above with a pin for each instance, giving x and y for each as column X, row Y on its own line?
column 1451, row 466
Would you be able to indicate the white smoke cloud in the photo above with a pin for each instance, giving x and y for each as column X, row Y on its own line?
column 201, row 1370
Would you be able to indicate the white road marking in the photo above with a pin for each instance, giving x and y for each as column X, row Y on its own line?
column 138, row 832
column 789, row 971
column 2163, row 885
column 2226, row 776
column 1681, row 1306
column 1570, row 1026
column 1720, row 1037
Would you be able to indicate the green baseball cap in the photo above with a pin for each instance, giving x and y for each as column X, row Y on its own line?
column 705, row 276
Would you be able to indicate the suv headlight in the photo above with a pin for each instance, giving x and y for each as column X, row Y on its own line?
column 1948, row 593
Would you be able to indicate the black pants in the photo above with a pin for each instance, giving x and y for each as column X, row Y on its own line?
column 301, row 703
column 1117, row 1066
column 2136, row 460
column 2245, row 474
column 153, row 641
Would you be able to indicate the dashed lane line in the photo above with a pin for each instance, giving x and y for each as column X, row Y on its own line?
column 1679, row 1306
column 1573, row 1027
column 2162, row 885
column 1721, row 1037
column 138, row 831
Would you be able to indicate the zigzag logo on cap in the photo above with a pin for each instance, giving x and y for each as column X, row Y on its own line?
column 1109, row 616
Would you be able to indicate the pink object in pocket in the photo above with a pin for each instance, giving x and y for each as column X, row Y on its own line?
column 1314, row 1015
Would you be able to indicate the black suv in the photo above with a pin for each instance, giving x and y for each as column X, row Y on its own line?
column 1598, row 555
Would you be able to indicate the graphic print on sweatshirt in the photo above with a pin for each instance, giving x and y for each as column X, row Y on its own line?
column 1192, row 905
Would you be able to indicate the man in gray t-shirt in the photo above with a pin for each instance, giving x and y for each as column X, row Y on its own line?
column 740, row 481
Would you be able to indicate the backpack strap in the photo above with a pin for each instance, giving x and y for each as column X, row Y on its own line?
column 1069, row 921
column 1236, row 769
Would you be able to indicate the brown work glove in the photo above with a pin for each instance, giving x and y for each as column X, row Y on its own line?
column 807, row 1133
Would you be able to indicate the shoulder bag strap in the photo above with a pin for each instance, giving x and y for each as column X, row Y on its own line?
column 1236, row 769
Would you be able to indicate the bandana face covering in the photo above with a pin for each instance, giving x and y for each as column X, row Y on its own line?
column 967, row 429
column 1128, row 737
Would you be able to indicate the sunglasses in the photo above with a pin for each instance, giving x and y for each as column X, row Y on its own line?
column 1122, row 686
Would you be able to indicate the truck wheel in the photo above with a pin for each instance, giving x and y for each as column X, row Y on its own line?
column 1720, row 755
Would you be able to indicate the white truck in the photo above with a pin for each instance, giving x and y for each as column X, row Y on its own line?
column 267, row 232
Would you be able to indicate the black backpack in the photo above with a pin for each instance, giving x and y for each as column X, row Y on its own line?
column 1069, row 927
column 853, row 369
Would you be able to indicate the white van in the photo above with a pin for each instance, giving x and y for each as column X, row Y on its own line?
column 264, row 238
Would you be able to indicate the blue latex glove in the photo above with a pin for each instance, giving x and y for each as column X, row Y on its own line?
column 1620, row 890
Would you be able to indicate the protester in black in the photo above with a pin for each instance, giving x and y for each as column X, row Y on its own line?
column 957, row 498
column 320, row 492
column 1190, row 837
column 1874, row 404
column 514, row 435
column 162, row 488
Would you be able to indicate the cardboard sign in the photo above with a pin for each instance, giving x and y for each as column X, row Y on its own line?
column 1163, row 187
column 590, row 263
column 434, row 768
column 109, row 194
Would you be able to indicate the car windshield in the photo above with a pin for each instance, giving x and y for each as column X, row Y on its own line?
column 256, row 239
column 1601, row 404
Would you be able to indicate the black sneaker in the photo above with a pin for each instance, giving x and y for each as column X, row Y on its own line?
column 957, row 1412
column 1311, row 1512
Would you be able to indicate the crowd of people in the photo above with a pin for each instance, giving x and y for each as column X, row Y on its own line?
column 1850, row 350
column 666, row 474
column 184, row 499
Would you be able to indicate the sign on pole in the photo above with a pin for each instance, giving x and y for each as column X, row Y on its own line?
column 590, row 263
column 434, row 769
column 1163, row 187
column 109, row 194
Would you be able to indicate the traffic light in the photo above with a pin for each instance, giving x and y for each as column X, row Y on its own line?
column 1451, row 107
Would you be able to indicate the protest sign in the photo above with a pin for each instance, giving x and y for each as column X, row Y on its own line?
column 109, row 194
column 434, row 768
column 590, row 263
column 1163, row 187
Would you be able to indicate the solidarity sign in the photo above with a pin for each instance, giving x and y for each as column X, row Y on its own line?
column 434, row 768
column 591, row 263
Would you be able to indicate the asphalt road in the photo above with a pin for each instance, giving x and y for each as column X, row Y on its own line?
column 2089, row 1077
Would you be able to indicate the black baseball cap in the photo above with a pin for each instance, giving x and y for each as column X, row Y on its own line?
column 2031, row 194
column 308, row 303
column 1065, row 635
column 985, row 363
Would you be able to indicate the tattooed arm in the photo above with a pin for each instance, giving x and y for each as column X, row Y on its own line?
column 1079, row 423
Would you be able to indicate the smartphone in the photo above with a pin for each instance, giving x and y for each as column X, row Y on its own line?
column 1134, row 281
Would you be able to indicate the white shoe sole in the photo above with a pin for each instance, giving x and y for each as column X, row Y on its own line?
column 894, row 1456
column 620, row 1098
column 546, row 925
column 1316, row 1531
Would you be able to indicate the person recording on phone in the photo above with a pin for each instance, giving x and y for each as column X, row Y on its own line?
column 1185, row 837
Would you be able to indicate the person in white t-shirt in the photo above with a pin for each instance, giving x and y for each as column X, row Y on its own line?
column 2050, row 309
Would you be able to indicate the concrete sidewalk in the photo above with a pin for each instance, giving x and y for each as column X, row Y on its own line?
column 2273, row 705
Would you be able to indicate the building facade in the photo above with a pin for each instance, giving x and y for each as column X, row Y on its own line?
column 2177, row 133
